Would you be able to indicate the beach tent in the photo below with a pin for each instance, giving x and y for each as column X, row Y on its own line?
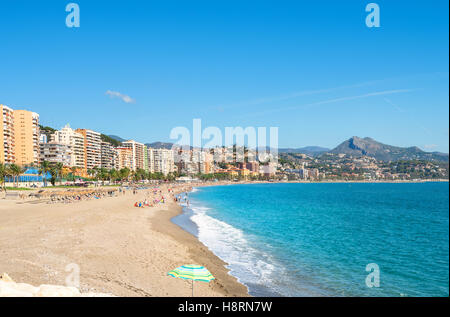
column 192, row 272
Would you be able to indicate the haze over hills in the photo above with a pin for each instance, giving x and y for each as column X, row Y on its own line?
column 160, row 145
column 356, row 146
column 308, row 150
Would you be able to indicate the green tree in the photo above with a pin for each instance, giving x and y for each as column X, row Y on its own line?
column 3, row 173
column 74, row 171
column 43, row 170
column 15, row 170
column 124, row 173
column 59, row 167
column 53, row 175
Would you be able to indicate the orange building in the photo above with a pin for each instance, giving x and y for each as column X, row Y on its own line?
column 126, row 157
column 26, row 137
column 92, row 148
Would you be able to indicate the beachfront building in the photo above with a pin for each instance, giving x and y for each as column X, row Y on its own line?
column 150, row 160
column 138, row 153
column 109, row 156
column 314, row 174
column 146, row 159
column 75, row 141
column 163, row 161
column 202, row 162
column 304, row 173
column 268, row 170
column 53, row 152
column 252, row 166
column 6, row 135
column 92, row 148
column 125, row 157
column 26, row 137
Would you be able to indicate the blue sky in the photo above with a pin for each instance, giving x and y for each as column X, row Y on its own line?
column 311, row 68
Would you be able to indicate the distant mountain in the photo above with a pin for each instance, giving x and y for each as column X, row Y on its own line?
column 160, row 145
column 308, row 150
column 110, row 140
column 356, row 146
column 117, row 138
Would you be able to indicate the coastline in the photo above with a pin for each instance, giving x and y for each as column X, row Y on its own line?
column 226, row 284
column 120, row 250
column 254, row 289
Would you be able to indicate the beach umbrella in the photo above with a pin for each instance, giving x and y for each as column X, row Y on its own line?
column 192, row 272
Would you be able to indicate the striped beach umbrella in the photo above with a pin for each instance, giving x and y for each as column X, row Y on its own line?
column 192, row 272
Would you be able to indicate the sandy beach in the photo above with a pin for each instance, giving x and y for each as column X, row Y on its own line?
column 120, row 249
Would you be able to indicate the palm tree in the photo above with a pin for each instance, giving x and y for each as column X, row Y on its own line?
column 43, row 170
column 15, row 171
column 102, row 174
column 113, row 174
column 73, row 170
column 95, row 172
column 59, row 170
column 54, row 175
column 124, row 173
column 3, row 174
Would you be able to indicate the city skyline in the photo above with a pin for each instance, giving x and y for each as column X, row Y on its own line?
column 138, row 70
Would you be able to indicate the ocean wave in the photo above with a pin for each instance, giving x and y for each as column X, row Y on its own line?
column 246, row 263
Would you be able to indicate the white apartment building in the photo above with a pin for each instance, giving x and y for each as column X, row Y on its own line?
column 163, row 161
column 150, row 160
column 109, row 156
column 56, row 153
column 6, row 135
column 75, row 141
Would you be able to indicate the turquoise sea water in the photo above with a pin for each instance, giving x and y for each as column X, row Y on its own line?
column 316, row 239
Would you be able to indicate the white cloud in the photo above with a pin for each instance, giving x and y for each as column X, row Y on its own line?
column 125, row 98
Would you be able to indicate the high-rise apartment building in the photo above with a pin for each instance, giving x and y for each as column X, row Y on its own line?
column 138, row 153
column 110, row 156
column 92, row 148
column 125, row 156
column 26, row 135
column 75, row 140
column 150, row 160
column 164, row 161
column 56, row 153
column 7, row 135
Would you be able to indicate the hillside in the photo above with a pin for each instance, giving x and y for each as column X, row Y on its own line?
column 356, row 146
column 308, row 150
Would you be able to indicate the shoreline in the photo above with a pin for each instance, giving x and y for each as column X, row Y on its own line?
column 226, row 283
column 187, row 222
column 120, row 249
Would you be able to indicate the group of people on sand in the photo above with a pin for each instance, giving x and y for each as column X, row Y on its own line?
column 157, row 197
column 71, row 197
column 142, row 204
